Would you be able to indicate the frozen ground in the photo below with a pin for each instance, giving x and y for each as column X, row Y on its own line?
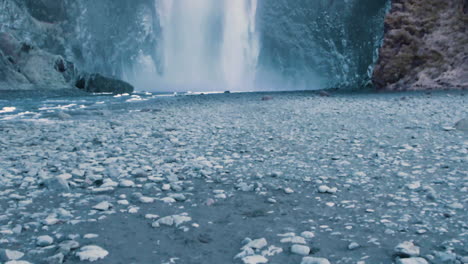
column 192, row 179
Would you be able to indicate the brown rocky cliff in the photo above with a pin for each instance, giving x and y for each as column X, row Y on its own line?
column 425, row 46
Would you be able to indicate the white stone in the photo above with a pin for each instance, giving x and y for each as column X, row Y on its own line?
column 313, row 260
column 151, row 216
column 407, row 249
column 144, row 199
column 221, row 196
column 168, row 200
column 294, row 240
column 44, row 241
column 123, row 202
column 180, row 219
column 126, row 184
column 133, row 209
column 271, row 251
column 255, row 259
column 353, row 245
column 300, row 250
column 11, row 254
column 307, row 235
column 326, row 189
column 414, row 185
column 90, row 236
column 256, row 244
column 168, row 221
column 288, row 190
column 246, row 252
column 102, row 206
column 360, row 174
column 412, row 261
column 92, row 253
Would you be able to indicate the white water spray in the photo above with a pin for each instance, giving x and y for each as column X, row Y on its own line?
column 208, row 44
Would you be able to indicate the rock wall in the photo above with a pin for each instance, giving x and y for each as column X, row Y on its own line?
column 59, row 32
column 425, row 46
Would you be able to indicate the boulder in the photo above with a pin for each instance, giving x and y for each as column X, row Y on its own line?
column 97, row 83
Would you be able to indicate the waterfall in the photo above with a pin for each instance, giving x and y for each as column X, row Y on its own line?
column 240, row 43
column 207, row 44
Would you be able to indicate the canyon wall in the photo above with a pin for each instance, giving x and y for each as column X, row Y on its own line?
column 425, row 46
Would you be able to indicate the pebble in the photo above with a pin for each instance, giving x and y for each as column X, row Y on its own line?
column 90, row 236
column 44, row 241
column 168, row 200
column 300, row 250
column 412, row 261
column 353, row 245
column 171, row 220
column 91, row 253
column 139, row 173
column 294, row 240
column 178, row 197
column 55, row 259
column 256, row 244
column 314, row 260
column 406, row 249
column 151, row 216
column 103, row 206
column 326, row 189
column 307, row 235
column 255, row 259
column 6, row 254
column 167, row 221
column 126, row 184
column 288, row 191
column 146, row 200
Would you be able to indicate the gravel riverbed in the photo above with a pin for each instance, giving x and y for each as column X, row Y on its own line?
column 231, row 178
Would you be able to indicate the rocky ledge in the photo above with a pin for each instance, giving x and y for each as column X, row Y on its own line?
column 425, row 46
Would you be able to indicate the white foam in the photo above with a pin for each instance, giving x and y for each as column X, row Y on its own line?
column 62, row 107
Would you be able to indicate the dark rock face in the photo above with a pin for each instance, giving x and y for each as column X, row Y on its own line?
column 96, row 83
column 425, row 46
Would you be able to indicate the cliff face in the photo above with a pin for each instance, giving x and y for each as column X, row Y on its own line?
column 425, row 46
column 48, row 44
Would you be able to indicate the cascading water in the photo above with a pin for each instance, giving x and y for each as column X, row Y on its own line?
column 207, row 44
